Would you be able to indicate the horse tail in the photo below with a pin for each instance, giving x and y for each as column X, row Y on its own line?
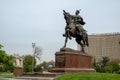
column 87, row 40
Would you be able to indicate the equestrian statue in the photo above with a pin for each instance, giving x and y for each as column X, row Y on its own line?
column 74, row 29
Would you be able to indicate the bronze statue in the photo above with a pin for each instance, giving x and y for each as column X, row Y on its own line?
column 74, row 28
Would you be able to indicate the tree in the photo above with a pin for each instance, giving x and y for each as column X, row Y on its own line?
column 1, row 46
column 6, row 61
column 27, row 63
column 9, row 63
column 51, row 65
column 3, row 58
column 105, row 61
column 38, row 52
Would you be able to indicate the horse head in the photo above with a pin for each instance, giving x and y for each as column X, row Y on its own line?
column 67, row 17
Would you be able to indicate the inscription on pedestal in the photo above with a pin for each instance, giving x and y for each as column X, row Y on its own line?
column 60, row 60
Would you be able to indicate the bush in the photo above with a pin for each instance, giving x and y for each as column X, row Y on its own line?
column 115, row 66
column 107, row 67
column 37, row 68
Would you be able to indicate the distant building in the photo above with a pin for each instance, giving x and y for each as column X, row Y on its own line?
column 18, row 60
column 101, row 45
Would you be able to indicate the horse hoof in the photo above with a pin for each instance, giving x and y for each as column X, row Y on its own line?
column 83, row 51
column 63, row 47
column 70, row 38
column 64, row 35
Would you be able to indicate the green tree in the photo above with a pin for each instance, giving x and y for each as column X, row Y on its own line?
column 1, row 46
column 27, row 63
column 3, row 56
column 6, row 61
column 105, row 61
column 9, row 63
column 44, row 65
column 3, row 59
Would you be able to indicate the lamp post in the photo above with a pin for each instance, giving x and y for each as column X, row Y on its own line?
column 33, row 45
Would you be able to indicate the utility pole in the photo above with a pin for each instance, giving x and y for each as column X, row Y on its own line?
column 33, row 45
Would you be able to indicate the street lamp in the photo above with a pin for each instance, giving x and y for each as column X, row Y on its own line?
column 33, row 45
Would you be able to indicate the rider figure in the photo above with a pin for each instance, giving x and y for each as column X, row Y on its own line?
column 78, row 20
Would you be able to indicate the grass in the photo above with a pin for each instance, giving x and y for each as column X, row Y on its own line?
column 6, row 75
column 89, row 76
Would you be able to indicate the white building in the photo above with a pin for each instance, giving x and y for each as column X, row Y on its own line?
column 18, row 60
column 101, row 45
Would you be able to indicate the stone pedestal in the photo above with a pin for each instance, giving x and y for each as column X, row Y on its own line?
column 18, row 71
column 69, row 60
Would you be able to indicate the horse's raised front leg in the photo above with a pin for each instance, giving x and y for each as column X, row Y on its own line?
column 66, row 39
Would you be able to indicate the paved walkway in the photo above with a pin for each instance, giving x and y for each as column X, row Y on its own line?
column 28, row 78
column 35, row 78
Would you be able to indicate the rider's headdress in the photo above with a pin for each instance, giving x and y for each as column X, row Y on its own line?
column 78, row 11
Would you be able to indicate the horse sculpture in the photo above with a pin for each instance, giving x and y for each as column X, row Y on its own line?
column 71, row 31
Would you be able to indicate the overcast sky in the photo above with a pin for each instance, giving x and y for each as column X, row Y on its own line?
column 23, row 22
